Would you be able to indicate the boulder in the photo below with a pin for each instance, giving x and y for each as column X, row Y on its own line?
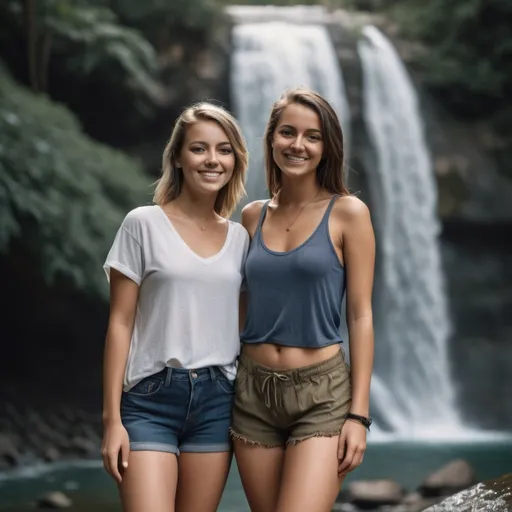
column 84, row 447
column 54, row 500
column 449, row 479
column 51, row 454
column 370, row 494
column 9, row 455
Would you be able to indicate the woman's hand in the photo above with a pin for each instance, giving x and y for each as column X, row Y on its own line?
column 351, row 446
column 115, row 449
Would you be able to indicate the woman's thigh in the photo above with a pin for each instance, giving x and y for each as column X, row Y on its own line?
column 149, row 482
column 260, row 471
column 201, row 480
column 310, row 481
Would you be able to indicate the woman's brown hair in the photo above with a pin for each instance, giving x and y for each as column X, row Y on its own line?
column 170, row 183
column 329, row 172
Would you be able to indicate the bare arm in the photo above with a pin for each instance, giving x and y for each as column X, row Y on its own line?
column 358, row 245
column 123, row 303
column 251, row 216
column 359, row 257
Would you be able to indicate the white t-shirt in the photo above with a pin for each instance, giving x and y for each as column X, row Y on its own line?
column 187, row 312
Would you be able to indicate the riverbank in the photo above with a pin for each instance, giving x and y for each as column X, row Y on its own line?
column 407, row 463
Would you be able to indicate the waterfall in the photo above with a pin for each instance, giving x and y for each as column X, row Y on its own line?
column 269, row 57
column 411, row 388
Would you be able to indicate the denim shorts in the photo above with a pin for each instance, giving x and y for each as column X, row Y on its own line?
column 178, row 410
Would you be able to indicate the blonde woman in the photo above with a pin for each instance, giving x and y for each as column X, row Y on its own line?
column 175, row 270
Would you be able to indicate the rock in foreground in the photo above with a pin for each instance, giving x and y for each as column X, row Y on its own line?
column 489, row 496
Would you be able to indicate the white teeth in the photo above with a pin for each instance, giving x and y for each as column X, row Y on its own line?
column 211, row 174
column 296, row 158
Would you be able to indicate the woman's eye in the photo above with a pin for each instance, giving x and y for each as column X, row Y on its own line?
column 226, row 151
column 197, row 150
column 286, row 133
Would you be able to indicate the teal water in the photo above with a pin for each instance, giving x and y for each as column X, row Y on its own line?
column 406, row 462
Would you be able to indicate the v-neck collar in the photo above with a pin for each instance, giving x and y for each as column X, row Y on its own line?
column 209, row 259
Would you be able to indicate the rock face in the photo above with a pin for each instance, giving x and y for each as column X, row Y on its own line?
column 472, row 186
column 478, row 267
column 489, row 496
column 54, row 433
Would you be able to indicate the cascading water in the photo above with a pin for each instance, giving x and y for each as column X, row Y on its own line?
column 411, row 388
column 269, row 57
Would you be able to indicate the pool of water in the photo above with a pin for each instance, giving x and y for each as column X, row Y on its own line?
column 407, row 462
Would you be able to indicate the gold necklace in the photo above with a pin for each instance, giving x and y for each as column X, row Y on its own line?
column 301, row 210
column 190, row 218
column 194, row 221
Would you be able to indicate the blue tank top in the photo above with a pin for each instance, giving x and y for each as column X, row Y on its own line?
column 294, row 297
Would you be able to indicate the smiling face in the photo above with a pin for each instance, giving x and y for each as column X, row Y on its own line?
column 206, row 157
column 303, row 124
column 297, row 142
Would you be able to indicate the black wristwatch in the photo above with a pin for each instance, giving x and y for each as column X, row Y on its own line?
column 366, row 422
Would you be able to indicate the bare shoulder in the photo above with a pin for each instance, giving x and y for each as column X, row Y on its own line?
column 251, row 214
column 351, row 210
column 253, row 209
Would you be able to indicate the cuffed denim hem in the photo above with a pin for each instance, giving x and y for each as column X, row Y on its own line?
column 154, row 447
column 205, row 448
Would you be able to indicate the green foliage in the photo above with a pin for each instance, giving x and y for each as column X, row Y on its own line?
column 469, row 48
column 91, row 39
column 162, row 20
column 62, row 195
column 84, row 41
column 188, row 13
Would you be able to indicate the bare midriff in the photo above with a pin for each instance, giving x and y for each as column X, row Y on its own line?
column 279, row 357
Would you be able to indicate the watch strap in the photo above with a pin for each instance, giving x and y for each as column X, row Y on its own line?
column 366, row 422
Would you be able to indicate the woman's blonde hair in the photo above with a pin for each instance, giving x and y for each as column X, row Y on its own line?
column 170, row 183
column 329, row 172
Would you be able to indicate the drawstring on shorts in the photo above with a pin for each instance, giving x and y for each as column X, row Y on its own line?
column 269, row 384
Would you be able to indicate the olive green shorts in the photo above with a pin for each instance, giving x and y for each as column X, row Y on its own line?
column 273, row 408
